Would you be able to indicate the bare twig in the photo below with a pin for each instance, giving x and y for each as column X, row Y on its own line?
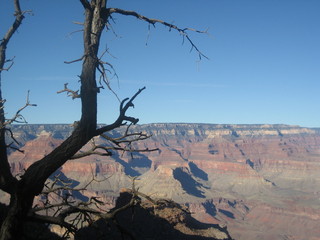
column 73, row 61
column 92, row 151
column 14, row 141
column 109, row 26
column 124, row 106
column 69, row 35
column 70, row 93
column 103, row 75
column 79, row 23
column 19, row 17
column 122, row 143
column 182, row 31
column 62, row 210
column 73, row 214
column 18, row 118
column 10, row 65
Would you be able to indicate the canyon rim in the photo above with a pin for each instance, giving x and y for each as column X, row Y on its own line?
column 261, row 181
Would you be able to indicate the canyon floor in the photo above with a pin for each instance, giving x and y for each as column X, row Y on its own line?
column 261, row 181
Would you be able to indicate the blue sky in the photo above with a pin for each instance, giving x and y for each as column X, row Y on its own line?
column 264, row 64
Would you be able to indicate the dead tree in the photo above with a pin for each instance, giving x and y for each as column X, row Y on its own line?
column 23, row 190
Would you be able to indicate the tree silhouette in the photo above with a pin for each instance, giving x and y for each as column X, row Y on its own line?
column 23, row 190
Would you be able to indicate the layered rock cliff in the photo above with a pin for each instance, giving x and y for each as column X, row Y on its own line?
column 249, row 177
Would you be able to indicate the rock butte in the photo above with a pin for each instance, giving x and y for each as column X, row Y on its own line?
column 262, row 181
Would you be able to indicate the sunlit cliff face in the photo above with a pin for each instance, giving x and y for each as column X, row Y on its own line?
column 249, row 177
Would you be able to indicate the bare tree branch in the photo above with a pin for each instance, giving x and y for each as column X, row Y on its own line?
column 77, row 60
column 18, row 117
column 7, row 181
column 78, row 23
column 122, row 115
column 104, row 77
column 152, row 21
column 70, row 93
column 71, row 214
column 14, row 141
column 122, row 143
column 59, row 200
column 10, row 65
column 85, row 4
column 18, row 20
column 92, row 151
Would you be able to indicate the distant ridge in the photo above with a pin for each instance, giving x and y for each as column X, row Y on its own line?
column 64, row 129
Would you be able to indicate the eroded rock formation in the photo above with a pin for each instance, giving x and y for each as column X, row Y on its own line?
column 262, row 181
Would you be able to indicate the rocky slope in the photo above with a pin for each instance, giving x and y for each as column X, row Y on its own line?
column 159, row 220
column 262, row 181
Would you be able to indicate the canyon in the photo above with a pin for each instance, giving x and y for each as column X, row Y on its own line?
column 260, row 181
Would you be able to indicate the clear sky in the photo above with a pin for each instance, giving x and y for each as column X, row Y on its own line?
column 264, row 64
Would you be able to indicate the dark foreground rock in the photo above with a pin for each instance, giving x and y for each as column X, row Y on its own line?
column 149, row 221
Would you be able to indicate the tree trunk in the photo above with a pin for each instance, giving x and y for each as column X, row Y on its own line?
column 33, row 180
column 12, row 226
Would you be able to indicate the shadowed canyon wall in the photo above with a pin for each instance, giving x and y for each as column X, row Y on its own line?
column 262, row 181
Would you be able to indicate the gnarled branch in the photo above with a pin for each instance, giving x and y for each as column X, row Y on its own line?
column 70, row 93
column 122, row 115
